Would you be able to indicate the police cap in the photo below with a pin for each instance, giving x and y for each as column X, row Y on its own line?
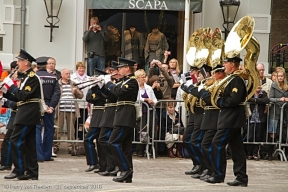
column 233, row 59
column 42, row 60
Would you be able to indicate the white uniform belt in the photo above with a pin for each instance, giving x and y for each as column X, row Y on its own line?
column 125, row 103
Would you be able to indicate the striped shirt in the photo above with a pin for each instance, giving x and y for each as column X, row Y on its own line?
column 67, row 94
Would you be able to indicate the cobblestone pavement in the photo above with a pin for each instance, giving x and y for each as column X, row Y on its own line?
column 67, row 173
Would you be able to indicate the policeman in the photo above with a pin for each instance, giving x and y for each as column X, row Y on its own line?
column 230, row 121
column 6, row 162
column 94, row 97
column 23, row 140
column 125, row 118
column 107, row 125
column 51, row 92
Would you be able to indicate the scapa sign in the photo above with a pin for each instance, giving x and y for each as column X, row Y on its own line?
column 147, row 4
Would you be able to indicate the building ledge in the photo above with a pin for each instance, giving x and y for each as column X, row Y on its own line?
column 2, row 32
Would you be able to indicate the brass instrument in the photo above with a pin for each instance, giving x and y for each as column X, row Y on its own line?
column 240, row 37
column 216, row 52
column 203, row 46
column 192, row 44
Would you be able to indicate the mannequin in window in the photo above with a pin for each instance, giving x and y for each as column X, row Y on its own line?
column 112, row 46
column 155, row 47
column 134, row 44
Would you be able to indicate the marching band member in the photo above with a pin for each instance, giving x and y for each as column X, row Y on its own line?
column 125, row 118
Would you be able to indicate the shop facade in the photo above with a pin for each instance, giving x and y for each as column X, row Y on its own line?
column 118, row 17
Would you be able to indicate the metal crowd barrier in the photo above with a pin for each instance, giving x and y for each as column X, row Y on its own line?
column 65, row 133
column 264, row 141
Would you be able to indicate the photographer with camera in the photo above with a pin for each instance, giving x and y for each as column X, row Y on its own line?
column 95, row 38
column 166, row 82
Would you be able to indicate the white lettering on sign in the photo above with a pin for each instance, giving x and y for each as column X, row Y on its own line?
column 147, row 4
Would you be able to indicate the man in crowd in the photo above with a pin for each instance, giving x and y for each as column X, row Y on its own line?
column 266, row 82
column 51, row 64
column 95, row 38
column 51, row 94
column 68, row 109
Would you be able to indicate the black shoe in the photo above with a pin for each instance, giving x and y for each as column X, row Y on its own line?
column 205, row 172
column 140, row 155
column 27, row 177
column 114, row 172
column 40, row 161
column 213, row 180
column 125, row 177
column 10, row 176
column 49, row 159
column 237, row 183
column 2, row 168
column 194, row 170
column 195, row 176
column 91, row 168
column 104, row 173
column 203, row 178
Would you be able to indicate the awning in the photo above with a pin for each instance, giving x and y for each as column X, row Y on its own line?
column 168, row 5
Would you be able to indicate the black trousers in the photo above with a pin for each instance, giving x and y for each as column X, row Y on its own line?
column 196, row 140
column 90, row 151
column 6, row 149
column 206, row 146
column 104, row 136
column 255, row 134
column 187, row 141
column 121, row 144
column 234, row 139
column 24, row 155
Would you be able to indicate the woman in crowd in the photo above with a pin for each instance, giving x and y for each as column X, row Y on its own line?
column 274, row 76
column 80, row 77
column 146, row 94
column 278, row 95
column 257, row 122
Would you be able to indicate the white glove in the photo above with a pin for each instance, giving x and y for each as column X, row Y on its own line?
column 100, row 78
column 8, row 81
column 107, row 78
column 100, row 84
column 201, row 86
column 183, row 78
column 189, row 82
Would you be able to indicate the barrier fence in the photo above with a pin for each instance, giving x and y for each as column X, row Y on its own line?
column 154, row 128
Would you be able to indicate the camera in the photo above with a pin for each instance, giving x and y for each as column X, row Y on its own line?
column 90, row 54
column 94, row 26
column 161, row 82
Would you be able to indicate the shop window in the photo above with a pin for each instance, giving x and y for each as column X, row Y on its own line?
column 125, row 22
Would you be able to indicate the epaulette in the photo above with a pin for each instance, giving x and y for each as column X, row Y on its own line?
column 132, row 77
column 31, row 74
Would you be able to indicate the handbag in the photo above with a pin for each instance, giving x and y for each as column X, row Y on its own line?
column 138, row 107
column 144, row 136
column 42, row 104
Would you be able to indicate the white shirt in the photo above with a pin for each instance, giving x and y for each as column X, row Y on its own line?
column 82, row 104
column 149, row 92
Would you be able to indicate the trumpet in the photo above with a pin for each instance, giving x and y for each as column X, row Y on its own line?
column 95, row 81
column 91, row 79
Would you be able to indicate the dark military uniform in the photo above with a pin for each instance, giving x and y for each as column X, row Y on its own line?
column 51, row 93
column 209, row 125
column 27, row 117
column 6, row 145
column 197, row 134
column 106, row 125
column 95, row 97
column 231, row 119
column 124, row 121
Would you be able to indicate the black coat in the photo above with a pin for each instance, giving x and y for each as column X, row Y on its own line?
column 109, row 112
column 127, row 90
column 232, row 114
column 261, row 103
column 27, row 114
column 95, row 97
column 51, row 88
